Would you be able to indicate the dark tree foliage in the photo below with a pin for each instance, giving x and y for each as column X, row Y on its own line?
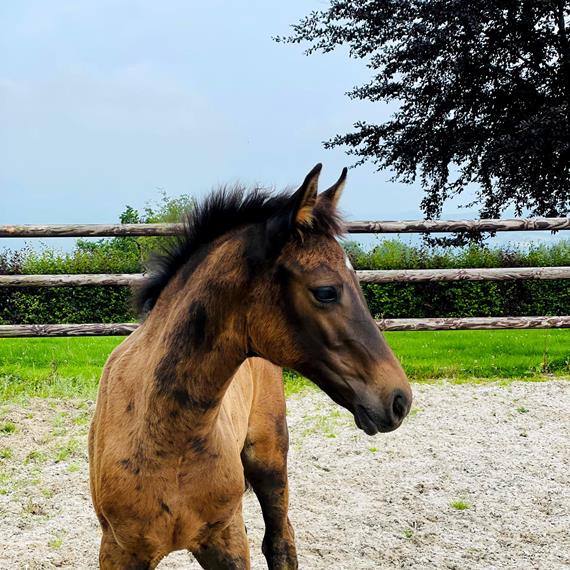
column 483, row 88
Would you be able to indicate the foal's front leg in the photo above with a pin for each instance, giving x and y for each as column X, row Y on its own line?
column 227, row 551
column 265, row 464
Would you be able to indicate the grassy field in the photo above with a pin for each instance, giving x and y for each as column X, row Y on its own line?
column 70, row 367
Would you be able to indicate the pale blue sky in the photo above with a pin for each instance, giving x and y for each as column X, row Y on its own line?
column 102, row 102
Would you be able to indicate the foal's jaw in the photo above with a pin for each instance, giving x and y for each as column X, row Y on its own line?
column 378, row 402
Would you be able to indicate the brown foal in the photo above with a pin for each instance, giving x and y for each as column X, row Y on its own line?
column 191, row 405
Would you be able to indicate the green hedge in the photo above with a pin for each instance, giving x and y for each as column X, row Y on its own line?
column 391, row 300
column 464, row 298
column 27, row 305
column 468, row 299
column 66, row 305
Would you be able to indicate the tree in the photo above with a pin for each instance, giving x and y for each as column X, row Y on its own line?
column 135, row 252
column 483, row 89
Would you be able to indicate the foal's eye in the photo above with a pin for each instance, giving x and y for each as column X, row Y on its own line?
column 325, row 294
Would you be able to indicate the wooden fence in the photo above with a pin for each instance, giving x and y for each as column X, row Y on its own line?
column 384, row 276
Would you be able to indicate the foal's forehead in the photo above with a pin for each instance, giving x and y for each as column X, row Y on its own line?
column 318, row 251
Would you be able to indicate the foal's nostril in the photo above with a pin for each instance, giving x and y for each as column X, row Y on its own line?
column 400, row 406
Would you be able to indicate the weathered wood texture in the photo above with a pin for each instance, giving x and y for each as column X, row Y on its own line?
column 93, row 329
column 79, row 280
column 485, row 274
column 383, row 276
column 472, row 323
column 385, row 227
column 89, row 230
column 445, row 226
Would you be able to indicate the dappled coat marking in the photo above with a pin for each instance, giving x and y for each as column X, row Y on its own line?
column 191, row 405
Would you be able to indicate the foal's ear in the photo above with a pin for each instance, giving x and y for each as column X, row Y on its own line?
column 303, row 201
column 333, row 194
column 297, row 213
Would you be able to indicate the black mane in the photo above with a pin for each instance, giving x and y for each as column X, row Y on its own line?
column 220, row 212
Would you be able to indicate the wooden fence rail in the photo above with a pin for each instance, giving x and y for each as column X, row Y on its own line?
column 475, row 274
column 73, row 280
column 433, row 324
column 377, row 276
column 383, row 276
column 360, row 227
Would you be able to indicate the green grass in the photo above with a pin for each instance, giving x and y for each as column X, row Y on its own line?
column 56, row 542
column 35, row 456
column 460, row 355
column 69, row 449
column 53, row 367
column 6, row 453
column 8, row 428
column 460, row 505
column 70, row 367
column 294, row 383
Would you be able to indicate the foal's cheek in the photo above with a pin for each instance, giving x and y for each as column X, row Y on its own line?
column 274, row 340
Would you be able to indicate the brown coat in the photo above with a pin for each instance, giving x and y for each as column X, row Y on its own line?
column 192, row 405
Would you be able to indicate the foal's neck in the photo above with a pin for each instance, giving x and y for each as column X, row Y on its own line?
column 201, row 324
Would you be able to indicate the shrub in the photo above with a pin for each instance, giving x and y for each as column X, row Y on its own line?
column 463, row 298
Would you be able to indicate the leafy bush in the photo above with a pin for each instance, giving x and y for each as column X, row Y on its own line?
column 463, row 298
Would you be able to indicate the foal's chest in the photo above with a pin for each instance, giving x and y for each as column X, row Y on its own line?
column 208, row 493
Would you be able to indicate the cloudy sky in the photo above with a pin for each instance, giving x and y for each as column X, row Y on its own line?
column 102, row 103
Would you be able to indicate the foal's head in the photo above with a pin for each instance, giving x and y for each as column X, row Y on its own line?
column 267, row 274
column 307, row 311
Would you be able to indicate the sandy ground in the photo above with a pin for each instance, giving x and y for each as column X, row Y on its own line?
column 391, row 501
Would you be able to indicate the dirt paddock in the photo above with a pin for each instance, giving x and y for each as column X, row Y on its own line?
column 477, row 478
